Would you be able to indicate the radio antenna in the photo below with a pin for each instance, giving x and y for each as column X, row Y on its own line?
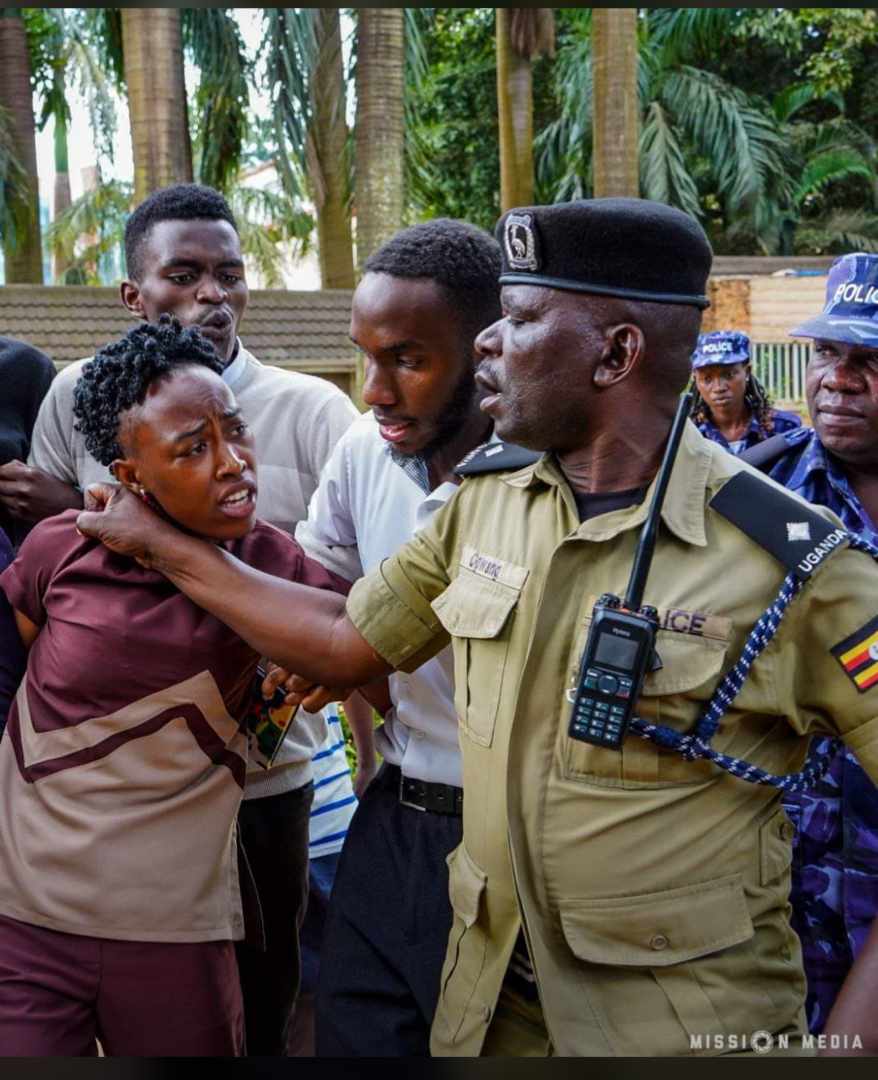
column 646, row 543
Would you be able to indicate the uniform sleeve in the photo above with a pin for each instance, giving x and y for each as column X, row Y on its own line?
column 329, row 534
column 26, row 581
column 51, row 444
column 785, row 421
column 391, row 607
column 826, row 657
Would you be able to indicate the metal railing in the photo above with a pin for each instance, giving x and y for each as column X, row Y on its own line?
column 781, row 369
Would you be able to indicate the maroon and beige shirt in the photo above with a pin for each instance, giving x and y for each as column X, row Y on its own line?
column 123, row 763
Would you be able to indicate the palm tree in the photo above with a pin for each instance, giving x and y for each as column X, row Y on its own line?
column 266, row 222
column 152, row 48
column 701, row 137
column 522, row 35
column 380, row 127
column 819, row 155
column 615, row 101
column 212, row 40
column 63, row 56
column 22, row 246
column 305, row 77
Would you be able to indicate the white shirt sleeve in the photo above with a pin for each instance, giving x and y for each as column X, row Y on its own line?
column 51, row 446
column 329, row 534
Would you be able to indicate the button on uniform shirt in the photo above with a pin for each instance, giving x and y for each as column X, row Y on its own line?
column 123, row 762
column 653, row 890
column 835, row 869
column 369, row 503
column 296, row 420
column 782, row 421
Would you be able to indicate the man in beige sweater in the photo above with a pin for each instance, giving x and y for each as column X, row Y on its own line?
column 184, row 257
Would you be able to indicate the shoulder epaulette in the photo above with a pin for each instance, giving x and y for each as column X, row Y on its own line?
column 795, row 534
column 493, row 457
column 766, row 454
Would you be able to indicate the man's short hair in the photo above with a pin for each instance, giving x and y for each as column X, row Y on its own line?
column 461, row 258
column 180, row 202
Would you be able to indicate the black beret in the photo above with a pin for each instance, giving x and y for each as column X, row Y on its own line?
column 615, row 247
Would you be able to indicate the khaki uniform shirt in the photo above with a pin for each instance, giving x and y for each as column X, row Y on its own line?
column 652, row 890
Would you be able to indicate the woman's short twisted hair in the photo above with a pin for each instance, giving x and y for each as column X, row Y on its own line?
column 121, row 373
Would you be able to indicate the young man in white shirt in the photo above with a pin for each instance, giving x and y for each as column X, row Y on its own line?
column 183, row 256
column 423, row 298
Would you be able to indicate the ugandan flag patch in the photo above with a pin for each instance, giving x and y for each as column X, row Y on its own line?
column 858, row 655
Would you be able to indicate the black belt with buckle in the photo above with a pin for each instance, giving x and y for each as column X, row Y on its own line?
column 423, row 795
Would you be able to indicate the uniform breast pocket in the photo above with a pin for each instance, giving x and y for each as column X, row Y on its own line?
column 675, row 695
column 478, row 614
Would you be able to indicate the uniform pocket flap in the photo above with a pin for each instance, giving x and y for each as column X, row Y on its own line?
column 466, row 883
column 658, row 929
column 475, row 607
column 687, row 662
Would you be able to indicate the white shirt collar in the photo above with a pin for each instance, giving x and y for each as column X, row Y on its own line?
column 235, row 369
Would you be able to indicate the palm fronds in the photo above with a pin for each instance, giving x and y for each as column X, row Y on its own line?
column 219, row 111
column 14, row 187
column 267, row 220
column 663, row 172
column 742, row 143
column 92, row 228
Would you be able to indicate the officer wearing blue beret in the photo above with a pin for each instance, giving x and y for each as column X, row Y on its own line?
column 731, row 406
column 835, row 874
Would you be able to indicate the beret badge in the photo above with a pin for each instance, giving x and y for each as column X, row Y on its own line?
column 521, row 243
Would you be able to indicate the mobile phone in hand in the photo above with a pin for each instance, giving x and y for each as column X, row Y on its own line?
column 267, row 721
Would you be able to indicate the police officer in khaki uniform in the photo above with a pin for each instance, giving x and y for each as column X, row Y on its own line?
column 650, row 883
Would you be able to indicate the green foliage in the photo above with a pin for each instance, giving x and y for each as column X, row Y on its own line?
column 68, row 52
column 219, row 111
column 452, row 157
column 289, row 46
column 266, row 220
column 92, row 228
column 826, row 44
column 15, row 216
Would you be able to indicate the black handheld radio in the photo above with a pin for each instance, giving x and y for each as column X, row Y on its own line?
column 621, row 640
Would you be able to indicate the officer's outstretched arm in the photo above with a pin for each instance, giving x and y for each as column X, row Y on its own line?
column 305, row 630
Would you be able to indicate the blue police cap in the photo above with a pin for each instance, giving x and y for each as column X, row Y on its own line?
column 721, row 347
column 851, row 311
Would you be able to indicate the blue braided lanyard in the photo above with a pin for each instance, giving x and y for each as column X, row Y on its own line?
column 696, row 744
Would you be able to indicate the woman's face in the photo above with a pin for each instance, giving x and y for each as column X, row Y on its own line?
column 722, row 385
column 188, row 448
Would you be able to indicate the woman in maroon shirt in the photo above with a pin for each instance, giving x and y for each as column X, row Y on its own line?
column 123, row 763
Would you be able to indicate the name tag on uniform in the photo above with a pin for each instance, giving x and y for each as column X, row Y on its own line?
column 493, row 568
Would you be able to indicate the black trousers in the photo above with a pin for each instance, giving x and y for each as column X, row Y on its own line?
column 274, row 835
column 387, row 928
